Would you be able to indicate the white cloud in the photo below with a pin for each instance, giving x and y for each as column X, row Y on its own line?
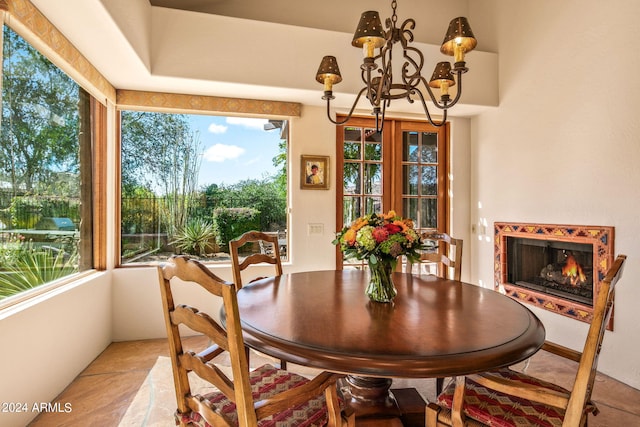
column 215, row 128
column 221, row 152
column 247, row 122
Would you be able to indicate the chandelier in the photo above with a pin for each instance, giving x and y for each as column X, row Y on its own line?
column 377, row 73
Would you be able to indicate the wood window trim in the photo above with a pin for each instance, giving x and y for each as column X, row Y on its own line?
column 26, row 20
column 99, row 183
column 443, row 160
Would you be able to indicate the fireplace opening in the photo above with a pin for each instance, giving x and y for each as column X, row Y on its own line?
column 553, row 267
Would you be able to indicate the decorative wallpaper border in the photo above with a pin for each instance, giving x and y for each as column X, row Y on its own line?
column 158, row 101
column 23, row 15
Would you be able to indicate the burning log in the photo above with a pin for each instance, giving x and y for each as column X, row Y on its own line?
column 573, row 271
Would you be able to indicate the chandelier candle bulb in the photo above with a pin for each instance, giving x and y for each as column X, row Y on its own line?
column 368, row 49
column 328, row 84
column 444, row 88
column 458, row 52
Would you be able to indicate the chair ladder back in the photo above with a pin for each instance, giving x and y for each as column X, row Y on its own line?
column 447, row 256
column 230, row 339
column 180, row 378
column 273, row 258
column 239, row 361
column 587, row 368
column 268, row 257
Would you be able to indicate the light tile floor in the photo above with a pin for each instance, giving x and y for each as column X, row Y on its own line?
column 101, row 394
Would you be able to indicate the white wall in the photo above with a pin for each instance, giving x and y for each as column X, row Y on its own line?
column 563, row 145
column 48, row 340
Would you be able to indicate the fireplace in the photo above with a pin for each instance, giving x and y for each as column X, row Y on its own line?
column 555, row 267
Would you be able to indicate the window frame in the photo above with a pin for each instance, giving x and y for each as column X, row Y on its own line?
column 92, row 169
column 174, row 104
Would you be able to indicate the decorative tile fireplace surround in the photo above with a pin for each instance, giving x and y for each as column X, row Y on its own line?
column 555, row 267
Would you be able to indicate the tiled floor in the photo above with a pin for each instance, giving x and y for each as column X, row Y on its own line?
column 101, row 394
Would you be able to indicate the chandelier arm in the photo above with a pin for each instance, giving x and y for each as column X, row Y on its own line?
column 459, row 93
column 449, row 103
column 374, row 92
column 436, row 103
column 353, row 107
column 426, row 111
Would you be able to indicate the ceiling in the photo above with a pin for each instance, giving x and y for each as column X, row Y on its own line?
column 203, row 47
column 333, row 15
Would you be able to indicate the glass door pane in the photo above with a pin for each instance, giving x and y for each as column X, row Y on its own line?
column 403, row 168
column 421, row 179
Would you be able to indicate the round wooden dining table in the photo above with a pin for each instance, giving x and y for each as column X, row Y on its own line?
column 434, row 327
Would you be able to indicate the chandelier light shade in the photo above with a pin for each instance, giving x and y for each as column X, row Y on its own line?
column 328, row 73
column 442, row 78
column 369, row 35
column 377, row 71
column 459, row 39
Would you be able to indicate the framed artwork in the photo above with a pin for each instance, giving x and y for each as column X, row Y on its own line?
column 314, row 172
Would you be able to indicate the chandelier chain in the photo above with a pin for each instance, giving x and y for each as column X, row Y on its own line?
column 394, row 17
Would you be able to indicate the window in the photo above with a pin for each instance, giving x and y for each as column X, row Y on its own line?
column 46, row 166
column 191, row 183
column 404, row 168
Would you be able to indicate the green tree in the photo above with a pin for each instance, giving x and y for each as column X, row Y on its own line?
column 40, row 125
column 161, row 153
column 280, row 161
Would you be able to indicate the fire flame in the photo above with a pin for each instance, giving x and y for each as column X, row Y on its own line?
column 573, row 271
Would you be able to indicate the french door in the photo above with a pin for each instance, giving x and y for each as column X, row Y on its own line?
column 404, row 168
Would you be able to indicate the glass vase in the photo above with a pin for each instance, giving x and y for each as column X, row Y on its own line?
column 381, row 287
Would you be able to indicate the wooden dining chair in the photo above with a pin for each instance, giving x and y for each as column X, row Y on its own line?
column 446, row 256
column 266, row 396
column 510, row 398
column 269, row 253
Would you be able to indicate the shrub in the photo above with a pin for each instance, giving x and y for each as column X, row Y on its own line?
column 36, row 267
column 26, row 211
column 196, row 238
column 230, row 223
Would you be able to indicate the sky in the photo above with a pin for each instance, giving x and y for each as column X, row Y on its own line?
column 234, row 148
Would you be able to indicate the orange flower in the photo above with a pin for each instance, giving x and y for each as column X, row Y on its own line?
column 358, row 224
column 401, row 224
column 350, row 236
column 390, row 215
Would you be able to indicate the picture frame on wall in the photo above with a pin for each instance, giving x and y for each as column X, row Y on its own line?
column 314, row 172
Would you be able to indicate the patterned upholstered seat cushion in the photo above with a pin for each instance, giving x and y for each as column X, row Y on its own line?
column 497, row 409
column 267, row 381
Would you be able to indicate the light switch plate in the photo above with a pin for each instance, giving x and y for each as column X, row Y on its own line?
column 315, row 229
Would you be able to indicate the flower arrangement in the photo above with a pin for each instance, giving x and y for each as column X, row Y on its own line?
column 380, row 240
column 382, row 237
